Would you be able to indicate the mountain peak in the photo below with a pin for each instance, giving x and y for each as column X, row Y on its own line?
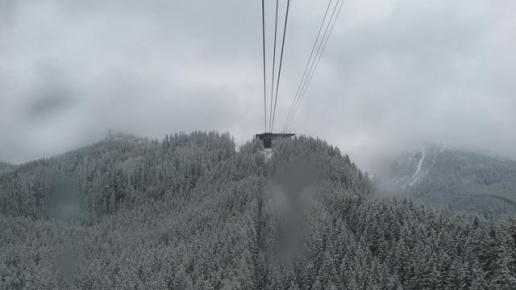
column 454, row 178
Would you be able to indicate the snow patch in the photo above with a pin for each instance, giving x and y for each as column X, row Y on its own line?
column 418, row 174
column 267, row 153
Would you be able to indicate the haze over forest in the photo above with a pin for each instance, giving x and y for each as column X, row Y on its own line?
column 128, row 157
column 395, row 74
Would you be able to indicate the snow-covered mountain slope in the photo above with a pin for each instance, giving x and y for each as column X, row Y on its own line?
column 454, row 179
column 192, row 212
column 6, row 167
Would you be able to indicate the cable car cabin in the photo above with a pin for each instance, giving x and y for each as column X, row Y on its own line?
column 267, row 138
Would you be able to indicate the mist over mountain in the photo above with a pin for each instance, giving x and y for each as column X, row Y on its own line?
column 71, row 70
column 343, row 91
column 192, row 212
column 455, row 179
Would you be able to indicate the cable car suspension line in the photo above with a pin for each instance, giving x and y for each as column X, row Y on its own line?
column 267, row 137
column 309, row 60
column 315, row 61
column 273, row 64
column 280, row 64
column 271, row 103
column 322, row 50
column 264, row 66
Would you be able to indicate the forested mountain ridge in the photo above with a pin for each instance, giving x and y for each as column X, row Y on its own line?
column 191, row 212
column 120, row 169
column 6, row 167
column 455, row 179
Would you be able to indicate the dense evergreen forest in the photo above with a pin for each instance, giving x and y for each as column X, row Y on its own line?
column 6, row 167
column 194, row 212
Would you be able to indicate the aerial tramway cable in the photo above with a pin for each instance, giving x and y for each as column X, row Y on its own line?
column 280, row 64
column 273, row 64
column 264, row 66
column 315, row 61
column 323, row 48
column 310, row 59
column 303, row 88
column 319, row 46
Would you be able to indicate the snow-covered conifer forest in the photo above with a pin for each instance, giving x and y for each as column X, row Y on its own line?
column 193, row 212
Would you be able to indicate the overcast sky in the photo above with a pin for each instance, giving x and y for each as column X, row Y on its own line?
column 395, row 73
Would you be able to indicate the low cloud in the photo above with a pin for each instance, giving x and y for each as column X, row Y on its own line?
column 395, row 73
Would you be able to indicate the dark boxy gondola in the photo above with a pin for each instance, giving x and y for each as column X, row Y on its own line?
column 267, row 138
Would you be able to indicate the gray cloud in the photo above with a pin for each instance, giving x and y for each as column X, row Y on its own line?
column 395, row 73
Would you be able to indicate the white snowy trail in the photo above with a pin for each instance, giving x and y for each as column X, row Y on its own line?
column 415, row 177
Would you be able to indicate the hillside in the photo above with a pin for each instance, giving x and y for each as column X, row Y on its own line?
column 191, row 212
column 454, row 179
column 6, row 167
